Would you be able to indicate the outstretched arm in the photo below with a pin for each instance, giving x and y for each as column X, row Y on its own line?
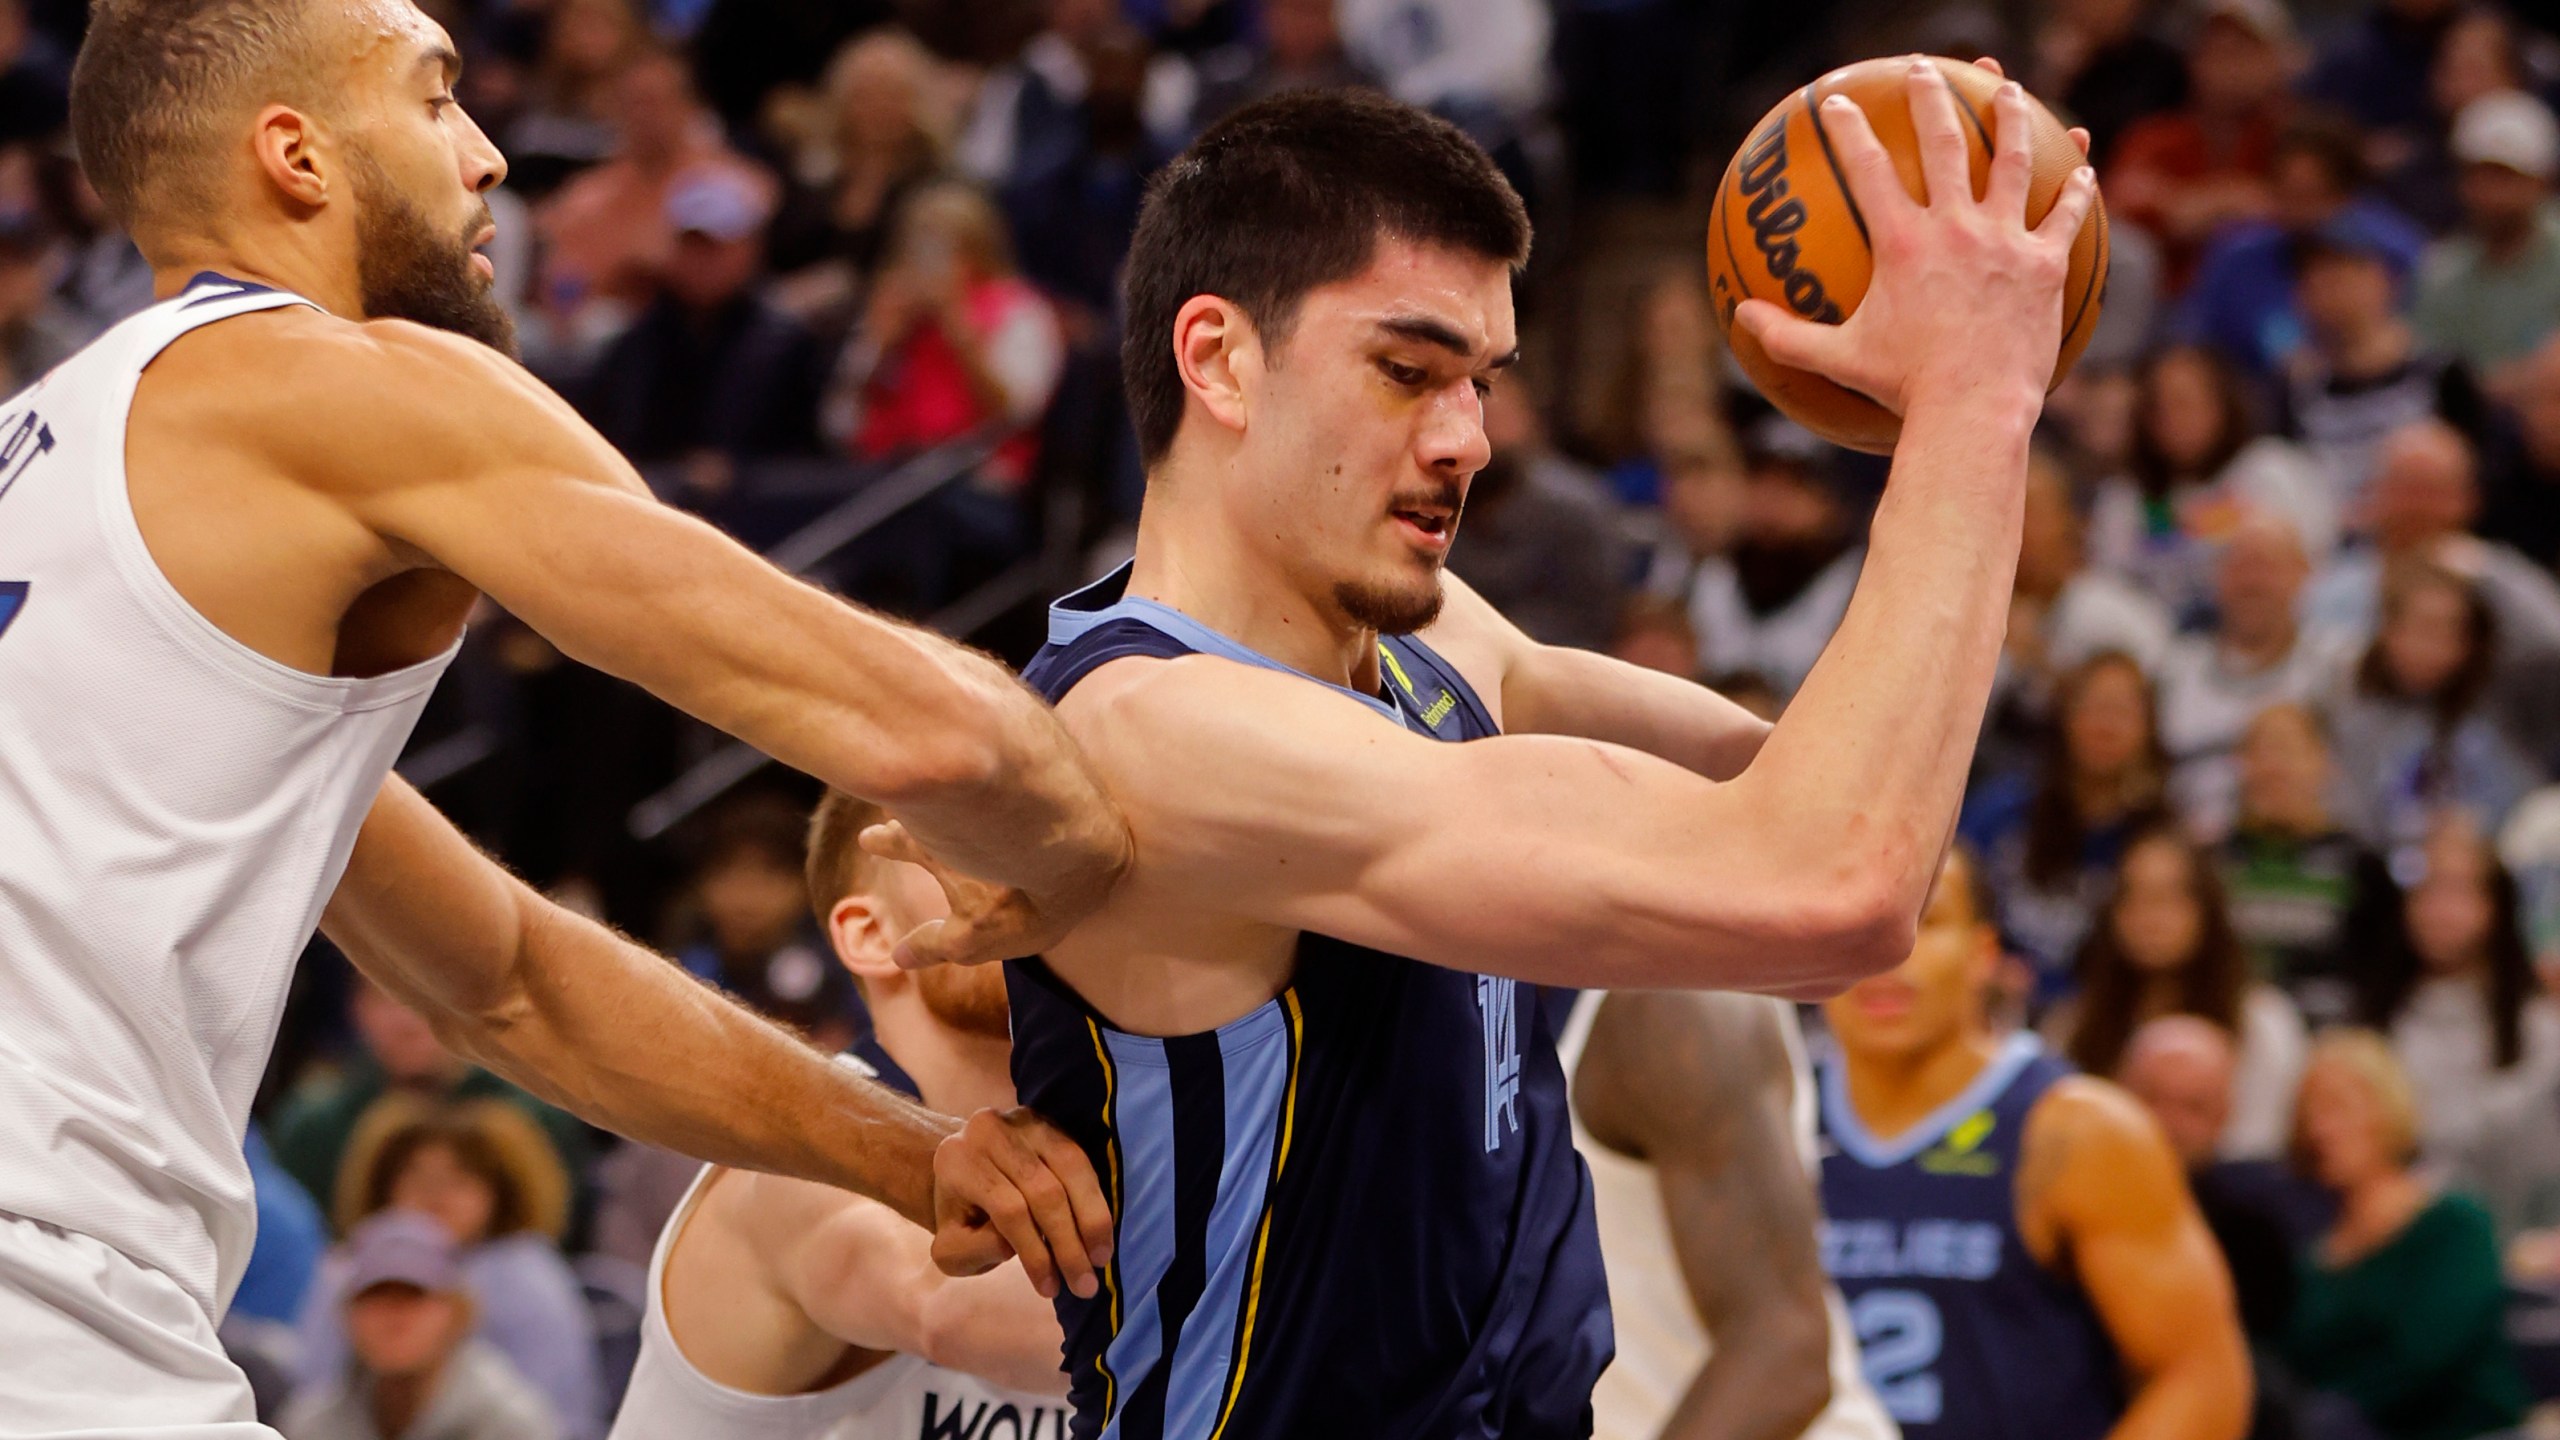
column 863, row 1276
column 2100, row 1192
column 624, row 1038
column 529, row 504
column 1699, row 1085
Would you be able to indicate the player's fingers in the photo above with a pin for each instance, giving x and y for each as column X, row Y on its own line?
column 1992, row 64
column 2080, row 137
column 2062, row 223
column 962, row 1250
column 1863, row 161
column 964, row 1242
column 1053, row 1215
column 923, row 947
column 1791, row 339
column 1074, row 1170
column 890, row 841
column 2013, row 160
column 1946, row 157
column 1009, row 1215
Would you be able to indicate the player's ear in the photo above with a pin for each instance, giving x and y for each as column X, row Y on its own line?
column 287, row 144
column 863, row 938
column 1217, row 351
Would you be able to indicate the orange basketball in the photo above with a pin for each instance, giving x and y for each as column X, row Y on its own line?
column 1785, row 230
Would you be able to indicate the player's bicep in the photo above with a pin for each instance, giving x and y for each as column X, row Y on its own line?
column 2134, row 1237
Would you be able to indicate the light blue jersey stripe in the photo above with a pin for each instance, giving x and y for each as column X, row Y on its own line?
column 1144, row 1109
column 1255, row 1056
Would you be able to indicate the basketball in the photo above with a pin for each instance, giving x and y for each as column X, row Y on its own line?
column 1784, row 229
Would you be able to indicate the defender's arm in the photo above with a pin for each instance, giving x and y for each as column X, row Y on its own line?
column 1699, row 1085
column 624, row 1038
column 2099, row 1187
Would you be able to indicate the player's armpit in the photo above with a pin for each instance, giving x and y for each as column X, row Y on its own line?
column 2101, row 1193
column 1700, row 1085
column 1256, row 795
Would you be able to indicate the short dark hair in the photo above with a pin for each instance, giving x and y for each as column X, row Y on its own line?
column 1288, row 194
column 157, row 79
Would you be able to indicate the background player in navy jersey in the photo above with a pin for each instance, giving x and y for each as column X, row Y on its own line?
column 1347, row 1197
column 2020, row 1255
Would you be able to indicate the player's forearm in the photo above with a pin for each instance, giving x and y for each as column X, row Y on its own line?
column 996, row 1327
column 1564, row 691
column 2205, row 1396
column 1768, row 1380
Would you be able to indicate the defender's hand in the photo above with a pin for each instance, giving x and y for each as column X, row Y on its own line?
column 988, row 922
column 1011, row 1184
column 1965, row 298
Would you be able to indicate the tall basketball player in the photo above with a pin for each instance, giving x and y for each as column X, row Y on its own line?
column 1348, row 1199
column 2020, row 1255
column 238, row 539
column 1695, row 1113
column 783, row 1310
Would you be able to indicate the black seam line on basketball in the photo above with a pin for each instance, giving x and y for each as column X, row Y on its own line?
column 2097, row 279
column 1813, row 108
column 1988, row 152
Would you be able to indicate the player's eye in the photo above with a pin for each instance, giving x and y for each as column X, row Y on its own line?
column 1409, row 376
column 1484, row 387
column 437, row 105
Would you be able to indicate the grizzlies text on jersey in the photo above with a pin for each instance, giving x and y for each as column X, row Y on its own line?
column 1964, row 1335
column 1355, row 1211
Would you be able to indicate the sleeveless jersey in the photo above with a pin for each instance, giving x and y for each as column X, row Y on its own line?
column 1661, row 1341
column 1355, row 1211
column 175, row 808
column 904, row 1397
column 1966, row 1336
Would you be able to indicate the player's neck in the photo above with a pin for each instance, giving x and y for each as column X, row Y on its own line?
column 288, row 267
column 955, row 1072
column 1893, row 1092
column 1191, row 558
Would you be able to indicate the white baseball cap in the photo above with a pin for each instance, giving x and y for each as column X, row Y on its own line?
column 2509, row 128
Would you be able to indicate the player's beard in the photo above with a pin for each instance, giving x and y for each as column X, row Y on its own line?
column 409, row 272
column 970, row 999
column 1403, row 605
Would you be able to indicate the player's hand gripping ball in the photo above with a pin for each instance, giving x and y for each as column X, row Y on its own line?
column 1785, row 230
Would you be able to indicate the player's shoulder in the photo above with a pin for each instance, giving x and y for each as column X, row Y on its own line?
column 2090, row 1145
column 1161, row 696
column 2080, row 1111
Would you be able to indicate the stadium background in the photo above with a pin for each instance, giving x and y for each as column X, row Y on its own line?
column 840, row 275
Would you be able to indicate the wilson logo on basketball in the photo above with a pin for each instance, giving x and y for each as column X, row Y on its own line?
column 1774, row 218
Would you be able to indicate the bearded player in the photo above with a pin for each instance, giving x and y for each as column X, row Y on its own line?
column 239, row 536
column 1348, row 1202
column 783, row 1310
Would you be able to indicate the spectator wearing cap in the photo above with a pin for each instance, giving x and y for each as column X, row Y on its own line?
column 1769, row 604
column 711, row 377
column 2361, row 372
column 2186, row 173
column 2491, row 294
column 418, row 1374
column 2480, row 55
column 2242, row 300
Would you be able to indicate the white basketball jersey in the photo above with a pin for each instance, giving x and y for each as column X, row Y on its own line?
column 901, row 1398
column 1661, row 1343
column 175, row 808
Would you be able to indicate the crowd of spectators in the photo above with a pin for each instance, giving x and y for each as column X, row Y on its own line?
column 2269, row 792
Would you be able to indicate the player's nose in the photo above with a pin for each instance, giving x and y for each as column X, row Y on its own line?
column 484, row 166
column 1453, row 436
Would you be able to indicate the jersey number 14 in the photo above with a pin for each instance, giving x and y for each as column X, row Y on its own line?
column 28, row 438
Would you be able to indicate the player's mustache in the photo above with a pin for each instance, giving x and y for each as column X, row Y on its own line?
column 1449, row 495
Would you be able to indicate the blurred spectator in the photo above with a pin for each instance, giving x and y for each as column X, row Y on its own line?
column 2185, row 173
column 37, row 331
column 1467, row 59
column 607, row 231
column 2108, row 64
column 1654, row 632
column 2401, row 1308
column 1032, row 101
column 2529, row 846
column 1301, row 49
column 2182, row 1068
column 2377, row 70
column 2164, row 946
column 2061, row 610
column 1073, row 197
column 2258, row 654
column 2199, row 470
column 1770, row 604
column 880, row 142
column 2296, row 878
column 2424, row 499
column 2522, row 505
column 401, row 1055
column 2413, row 727
column 568, row 120
column 487, row 1178
column 2446, row 975
column 1543, row 541
column 2416, row 168
column 417, row 1373
column 100, row 276
column 35, row 79
column 2489, row 296
column 2361, row 373
column 758, row 944
column 2242, row 302
column 711, row 376
column 2051, row 842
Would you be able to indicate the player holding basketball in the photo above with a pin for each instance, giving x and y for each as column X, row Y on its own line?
column 1695, row 1114
column 1347, row 1195
column 238, row 539
column 783, row 1310
column 2020, row 1255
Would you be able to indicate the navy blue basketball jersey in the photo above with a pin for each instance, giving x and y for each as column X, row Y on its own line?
column 1354, row 1212
column 1962, row 1333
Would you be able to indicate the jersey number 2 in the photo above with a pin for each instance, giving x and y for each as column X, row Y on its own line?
column 27, row 438
column 1900, row 1335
